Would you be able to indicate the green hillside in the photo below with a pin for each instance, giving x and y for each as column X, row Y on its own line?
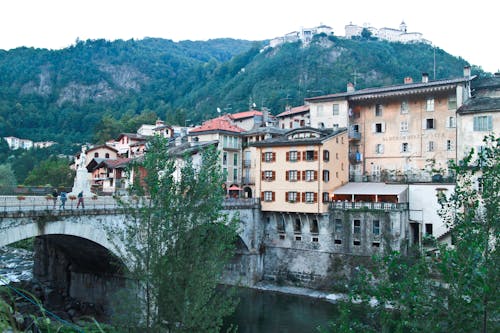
column 94, row 89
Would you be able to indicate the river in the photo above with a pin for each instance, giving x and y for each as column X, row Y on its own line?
column 258, row 311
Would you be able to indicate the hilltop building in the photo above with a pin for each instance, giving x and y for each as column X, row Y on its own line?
column 389, row 34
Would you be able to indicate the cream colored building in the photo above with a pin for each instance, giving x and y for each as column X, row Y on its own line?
column 295, row 117
column 407, row 129
column 297, row 172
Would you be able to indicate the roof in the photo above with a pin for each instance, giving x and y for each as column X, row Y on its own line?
column 245, row 114
column 134, row 136
column 222, row 123
column 114, row 163
column 371, row 189
column 103, row 147
column 283, row 140
column 265, row 130
column 295, row 110
column 481, row 104
column 400, row 89
column 190, row 147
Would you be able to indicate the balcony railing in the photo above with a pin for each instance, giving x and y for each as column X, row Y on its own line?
column 354, row 135
column 247, row 163
column 355, row 158
column 343, row 205
column 248, row 180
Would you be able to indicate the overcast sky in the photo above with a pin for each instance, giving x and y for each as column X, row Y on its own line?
column 467, row 29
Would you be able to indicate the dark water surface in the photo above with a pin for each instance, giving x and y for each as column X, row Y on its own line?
column 265, row 311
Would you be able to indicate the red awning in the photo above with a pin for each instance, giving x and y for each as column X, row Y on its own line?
column 234, row 188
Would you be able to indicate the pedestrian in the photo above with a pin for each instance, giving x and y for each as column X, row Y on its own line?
column 80, row 200
column 54, row 197
column 63, row 198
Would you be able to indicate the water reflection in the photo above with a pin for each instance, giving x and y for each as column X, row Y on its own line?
column 264, row 311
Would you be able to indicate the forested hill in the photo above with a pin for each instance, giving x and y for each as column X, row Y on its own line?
column 95, row 89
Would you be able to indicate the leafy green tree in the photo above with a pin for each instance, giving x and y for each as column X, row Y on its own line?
column 7, row 178
column 178, row 241
column 457, row 291
column 54, row 171
column 366, row 34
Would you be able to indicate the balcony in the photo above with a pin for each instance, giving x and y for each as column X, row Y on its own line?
column 355, row 158
column 386, row 206
column 353, row 135
column 248, row 180
column 247, row 163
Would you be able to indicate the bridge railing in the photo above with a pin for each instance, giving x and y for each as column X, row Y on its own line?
column 32, row 203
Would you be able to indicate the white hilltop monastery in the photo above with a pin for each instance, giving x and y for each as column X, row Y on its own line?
column 392, row 35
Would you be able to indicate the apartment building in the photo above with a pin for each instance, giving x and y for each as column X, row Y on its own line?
column 298, row 171
column 407, row 129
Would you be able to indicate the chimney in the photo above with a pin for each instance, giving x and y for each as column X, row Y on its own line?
column 350, row 87
column 408, row 80
column 466, row 71
column 425, row 77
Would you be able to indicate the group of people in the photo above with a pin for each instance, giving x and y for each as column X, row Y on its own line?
column 63, row 196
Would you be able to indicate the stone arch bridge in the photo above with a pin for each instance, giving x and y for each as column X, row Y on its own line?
column 77, row 253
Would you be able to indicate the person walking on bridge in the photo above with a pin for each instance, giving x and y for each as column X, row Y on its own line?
column 54, row 197
column 63, row 200
column 80, row 200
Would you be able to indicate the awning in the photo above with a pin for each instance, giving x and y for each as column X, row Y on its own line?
column 234, row 188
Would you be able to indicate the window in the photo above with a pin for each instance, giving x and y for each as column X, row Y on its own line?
column 379, row 148
column 297, row 226
column 376, row 227
column 429, row 104
column 280, row 224
column 268, row 175
column 291, row 196
column 310, row 175
column 292, row 156
column 224, row 158
column 269, row 157
column 430, row 146
column 449, row 145
column 269, row 196
column 378, row 128
column 483, row 123
column 310, row 197
column 310, row 155
column 235, row 159
column 357, row 227
column 335, row 109
column 428, row 229
column 96, row 154
column 326, row 175
column 404, row 107
column 451, row 122
column 452, row 102
column 326, row 197
column 336, row 156
column 480, row 184
column 378, row 110
column 405, row 147
column 338, row 226
column 292, row 175
column 314, row 228
column 404, row 126
column 326, row 155
column 429, row 123
column 106, row 155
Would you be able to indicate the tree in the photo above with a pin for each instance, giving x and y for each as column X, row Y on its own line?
column 7, row 178
column 366, row 34
column 54, row 171
column 177, row 242
column 457, row 291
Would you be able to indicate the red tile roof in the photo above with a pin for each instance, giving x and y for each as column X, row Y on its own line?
column 297, row 109
column 222, row 123
column 245, row 114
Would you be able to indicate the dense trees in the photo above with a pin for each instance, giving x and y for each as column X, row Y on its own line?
column 62, row 95
column 53, row 171
column 453, row 291
column 177, row 243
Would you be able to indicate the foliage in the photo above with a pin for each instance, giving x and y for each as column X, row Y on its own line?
column 7, row 178
column 63, row 95
column 178, row 241
column 456, row 291
column 54, row 171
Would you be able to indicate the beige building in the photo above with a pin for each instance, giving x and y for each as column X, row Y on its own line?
column 407, row 129
column 297, row 172
column 294, row 117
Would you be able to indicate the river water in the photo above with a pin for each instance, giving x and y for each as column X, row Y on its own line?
column 258, row 311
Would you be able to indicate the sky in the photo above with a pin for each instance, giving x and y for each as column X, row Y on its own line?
column 466, row 29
